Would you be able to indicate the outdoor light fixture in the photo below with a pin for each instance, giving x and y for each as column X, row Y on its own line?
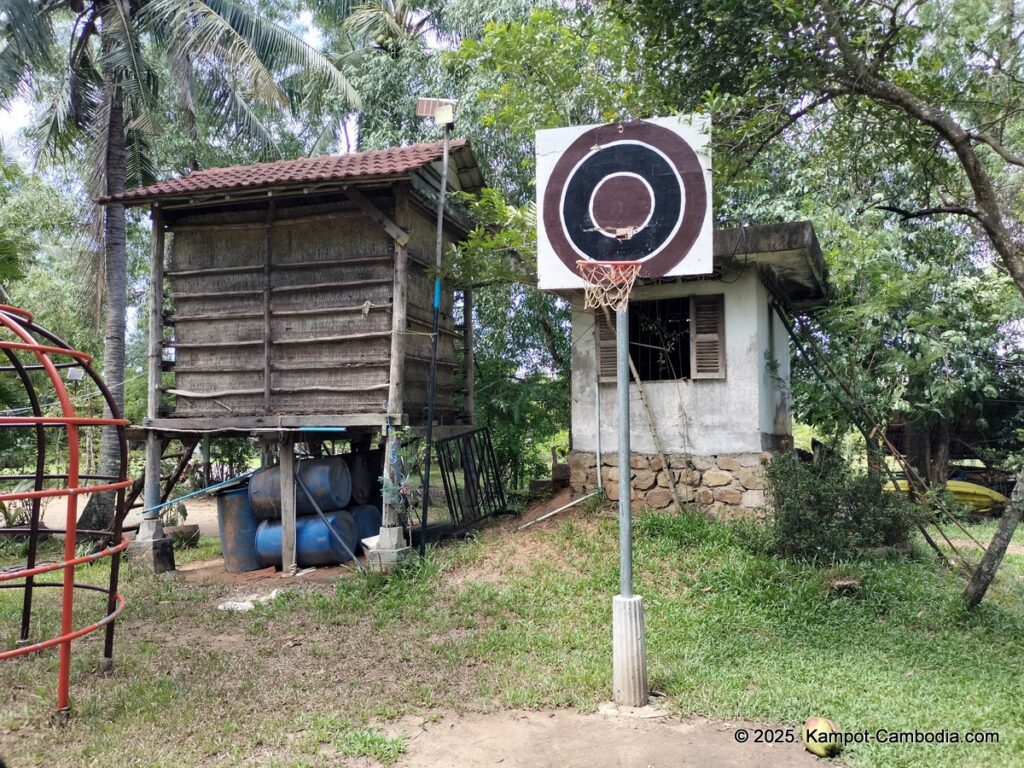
column 75, row 374
column 443, row 113
column 441, row 110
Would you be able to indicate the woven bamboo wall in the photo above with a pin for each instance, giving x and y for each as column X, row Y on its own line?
column 331, row 286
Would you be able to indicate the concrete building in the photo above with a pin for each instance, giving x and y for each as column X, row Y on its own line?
column 714, row 362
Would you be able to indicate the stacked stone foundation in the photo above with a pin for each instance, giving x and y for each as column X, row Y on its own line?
column 725, row 485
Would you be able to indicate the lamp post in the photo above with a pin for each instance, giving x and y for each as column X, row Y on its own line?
column 443, row 113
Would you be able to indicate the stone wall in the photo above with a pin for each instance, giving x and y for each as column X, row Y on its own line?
column 727, row 485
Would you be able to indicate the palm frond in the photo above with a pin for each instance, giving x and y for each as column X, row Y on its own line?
column 331, row 13
column 26, row 36
column 122, row 58
column 231, row 109
column 253, row 49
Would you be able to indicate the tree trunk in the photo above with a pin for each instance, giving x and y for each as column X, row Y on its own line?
column 986, row 571
column 938, row 466
column 917, row 447
column 115, row 272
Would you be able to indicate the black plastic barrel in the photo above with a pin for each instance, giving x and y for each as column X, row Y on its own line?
column 367, row 519
column 328, row 479
column 314, row 544
column 237, row 530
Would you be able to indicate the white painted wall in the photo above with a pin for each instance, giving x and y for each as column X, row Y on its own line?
column 705, row 416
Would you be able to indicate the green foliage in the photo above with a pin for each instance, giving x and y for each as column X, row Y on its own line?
column 522, row 363
column 366, row 743
column 825, row 511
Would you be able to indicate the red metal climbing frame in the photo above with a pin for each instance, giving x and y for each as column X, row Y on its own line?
column 30, row 348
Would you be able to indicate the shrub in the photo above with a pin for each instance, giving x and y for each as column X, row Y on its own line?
column 827, row 511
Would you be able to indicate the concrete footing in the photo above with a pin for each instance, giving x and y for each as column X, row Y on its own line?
column 629, row 652
column 388, row 551
column 151, row 547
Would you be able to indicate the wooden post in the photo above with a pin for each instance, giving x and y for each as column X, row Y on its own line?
column 399, row 327
column 268, row 264
column 468, row 361
column 154, row 449
column 206, row 461
column 287, row 469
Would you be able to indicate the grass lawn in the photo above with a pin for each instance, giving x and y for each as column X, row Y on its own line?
column 523, row 620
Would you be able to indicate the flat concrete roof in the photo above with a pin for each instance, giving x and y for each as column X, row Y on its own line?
column 788, row 255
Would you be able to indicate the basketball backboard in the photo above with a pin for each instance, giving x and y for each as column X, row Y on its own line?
column 636, row 191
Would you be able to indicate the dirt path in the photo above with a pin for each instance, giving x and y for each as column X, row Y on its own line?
column 1012, row 549
column 518, row 739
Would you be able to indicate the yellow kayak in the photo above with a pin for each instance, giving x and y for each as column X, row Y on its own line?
column 980, row 499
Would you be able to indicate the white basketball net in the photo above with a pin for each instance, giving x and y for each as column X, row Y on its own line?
column 608, row 283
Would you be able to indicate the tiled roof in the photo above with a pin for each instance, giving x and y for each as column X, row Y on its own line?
column 396, row 162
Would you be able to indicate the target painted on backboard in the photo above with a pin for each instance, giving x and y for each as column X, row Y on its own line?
column 638, row 191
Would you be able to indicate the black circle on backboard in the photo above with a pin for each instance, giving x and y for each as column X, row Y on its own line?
column 668, row 167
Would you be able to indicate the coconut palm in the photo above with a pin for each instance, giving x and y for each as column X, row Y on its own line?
column 99, row 65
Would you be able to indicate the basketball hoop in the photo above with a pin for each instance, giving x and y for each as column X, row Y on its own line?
column 608, row 283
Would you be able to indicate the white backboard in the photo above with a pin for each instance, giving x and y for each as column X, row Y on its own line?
column 637, row 191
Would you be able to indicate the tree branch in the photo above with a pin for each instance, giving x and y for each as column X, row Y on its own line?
column 906, row 215
column 998, row 148
column 990, row 212
column 791, row 119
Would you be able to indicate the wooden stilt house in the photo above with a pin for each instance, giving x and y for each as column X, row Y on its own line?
column 298, row 294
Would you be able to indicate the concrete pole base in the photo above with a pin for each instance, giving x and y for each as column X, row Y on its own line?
column 152, row 546
column 157, row 554
column 629, row 652
column 388, row 551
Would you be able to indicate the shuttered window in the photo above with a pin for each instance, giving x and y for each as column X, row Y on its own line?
column 707, row 332
column 670, row 339
column 605, row 346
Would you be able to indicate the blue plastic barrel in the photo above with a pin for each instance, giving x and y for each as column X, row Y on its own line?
column 237, row 525
column 367, row 519
column 314, row 543
column 328, row 479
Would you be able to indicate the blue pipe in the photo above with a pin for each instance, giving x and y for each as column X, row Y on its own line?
column 200, row 492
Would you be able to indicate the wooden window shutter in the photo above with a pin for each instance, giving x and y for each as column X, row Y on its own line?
column 707, row 331
column 606, row 359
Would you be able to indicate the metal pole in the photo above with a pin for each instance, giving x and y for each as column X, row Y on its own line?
column 432, row 382
column 625, row 454
column 629, row 643
column 597, row 398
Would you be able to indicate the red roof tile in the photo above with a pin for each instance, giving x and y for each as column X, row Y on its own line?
column 374, row 164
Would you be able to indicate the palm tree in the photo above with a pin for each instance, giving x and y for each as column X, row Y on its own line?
column 99, row 62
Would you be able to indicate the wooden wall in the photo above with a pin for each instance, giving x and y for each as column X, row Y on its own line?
column 330, row 290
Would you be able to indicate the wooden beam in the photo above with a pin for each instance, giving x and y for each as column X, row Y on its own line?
column 365, row 307
column 469, row 368
column 268, row 268
column 216, row 270
column 188, row 395
column 331, row 286
column 188, row 447
column 212, row 344
column 399, row 235
column 318, row 388
column 344, row 337
column 215, row 294
column 335, row 262
column 289, row 562
column 154, row 449
column 245, row 424
column 399, row 326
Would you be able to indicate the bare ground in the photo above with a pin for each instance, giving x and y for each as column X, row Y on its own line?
column 524, row 739
column 278, row 675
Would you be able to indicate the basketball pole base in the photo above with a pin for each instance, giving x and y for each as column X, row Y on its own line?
column 629, row 652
